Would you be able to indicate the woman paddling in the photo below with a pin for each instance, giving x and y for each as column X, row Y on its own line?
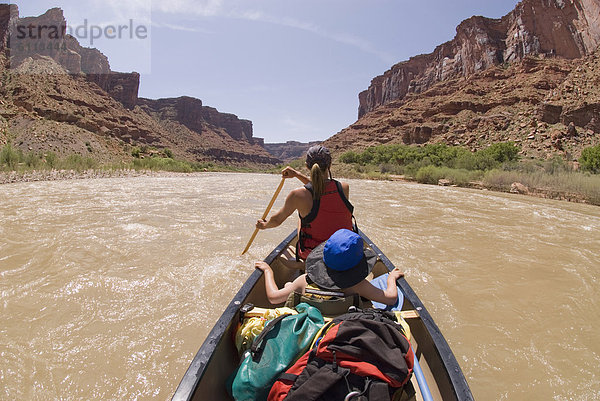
column 322, row 204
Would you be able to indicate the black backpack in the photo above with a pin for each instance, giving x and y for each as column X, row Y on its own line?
column 363, row 353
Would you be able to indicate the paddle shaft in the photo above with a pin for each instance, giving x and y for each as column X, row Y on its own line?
column 266, row 213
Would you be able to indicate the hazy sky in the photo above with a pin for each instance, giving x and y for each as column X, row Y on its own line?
column 293, row 67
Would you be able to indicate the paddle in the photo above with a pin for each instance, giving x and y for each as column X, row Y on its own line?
column 266, row 213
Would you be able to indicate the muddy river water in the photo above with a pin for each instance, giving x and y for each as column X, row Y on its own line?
column 109, row 286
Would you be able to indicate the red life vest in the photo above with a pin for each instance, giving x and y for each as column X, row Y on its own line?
column 328, row 214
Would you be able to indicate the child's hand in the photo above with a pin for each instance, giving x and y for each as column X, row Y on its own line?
column 396, row 274
column 262, row 266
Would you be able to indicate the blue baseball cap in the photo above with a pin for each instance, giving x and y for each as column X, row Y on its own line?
column 340, row 262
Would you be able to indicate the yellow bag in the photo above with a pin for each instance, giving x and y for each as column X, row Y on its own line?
column 253, row 324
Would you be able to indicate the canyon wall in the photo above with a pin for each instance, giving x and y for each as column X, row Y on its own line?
column 195, row 116
column 550, row 28
column 82, row 106
column 46, row 36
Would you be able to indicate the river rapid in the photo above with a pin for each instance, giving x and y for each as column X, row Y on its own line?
column 109, row 286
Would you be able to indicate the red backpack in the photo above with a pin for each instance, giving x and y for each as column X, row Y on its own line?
column 363, row 353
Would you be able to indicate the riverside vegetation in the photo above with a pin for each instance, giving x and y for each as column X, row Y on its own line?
column 497, row 167
column 143, row 158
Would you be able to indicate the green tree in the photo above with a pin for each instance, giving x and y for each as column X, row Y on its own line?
column 349, row 157
column 503, row 152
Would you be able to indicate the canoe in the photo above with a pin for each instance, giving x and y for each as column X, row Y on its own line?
column 437, row 374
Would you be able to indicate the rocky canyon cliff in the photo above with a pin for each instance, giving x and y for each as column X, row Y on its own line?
column 65, row 98
column 562, row 28
column 530, row 76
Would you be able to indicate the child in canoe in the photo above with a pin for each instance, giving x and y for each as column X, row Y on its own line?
column 339, row 264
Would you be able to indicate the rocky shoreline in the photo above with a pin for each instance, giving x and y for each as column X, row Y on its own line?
column 515, row 188
column 61, row 175
column 544, row 193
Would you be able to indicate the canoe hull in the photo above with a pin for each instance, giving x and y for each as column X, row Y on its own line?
column 217, row 357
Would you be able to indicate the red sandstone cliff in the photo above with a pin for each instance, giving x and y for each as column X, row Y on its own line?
column 191, row 113
column 223, row 136
column 64, row 49
column 81, row 106
column 529, row 77
column 563, row 28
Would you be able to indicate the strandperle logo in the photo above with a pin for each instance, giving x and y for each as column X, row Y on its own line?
column 84, row 31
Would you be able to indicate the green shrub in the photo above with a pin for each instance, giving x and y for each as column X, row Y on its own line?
column 298, row 164
column 503, row 152
column 32, row 160
column 439, row 155
column 463, row 177
column 51, row 160
column 466, row 160
column 555, row 165
column 485, row 161
column 568, row 182
column 590, row 159
column 78, row 162
column 502, row 180
column 496, row 155
column 391, row 168
column 10, row 157
column 429, row 175
column 433, row 174
column 349, row 157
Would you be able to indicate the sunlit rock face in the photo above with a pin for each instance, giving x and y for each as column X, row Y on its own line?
column 551, row 28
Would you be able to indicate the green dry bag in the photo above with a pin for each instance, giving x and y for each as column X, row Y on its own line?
column 280, row 344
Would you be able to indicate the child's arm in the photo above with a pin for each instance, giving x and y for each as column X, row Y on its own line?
column 389, row 296
column 391, row 290
column 274, row 294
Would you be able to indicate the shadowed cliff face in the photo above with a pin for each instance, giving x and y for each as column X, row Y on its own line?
column 289, row 150
column 191, row 113
column 222, row 136
column 81, row 106
column 551, row 28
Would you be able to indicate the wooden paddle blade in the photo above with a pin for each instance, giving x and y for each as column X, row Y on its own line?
column 250, row 242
